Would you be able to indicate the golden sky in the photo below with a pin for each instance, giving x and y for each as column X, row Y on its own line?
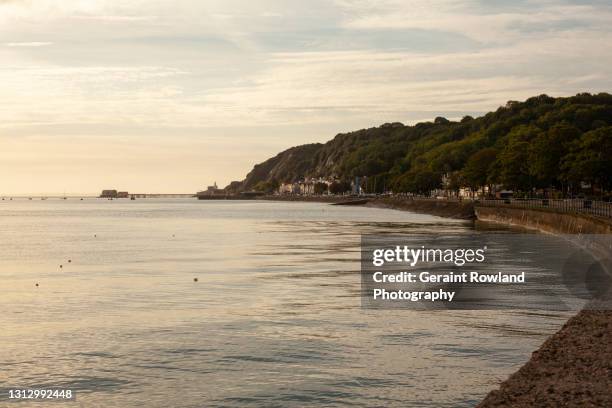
column 170, row 96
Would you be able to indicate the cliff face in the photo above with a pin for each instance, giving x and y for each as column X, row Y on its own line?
column 289, row 165
column 331, row 159
column 541, row 142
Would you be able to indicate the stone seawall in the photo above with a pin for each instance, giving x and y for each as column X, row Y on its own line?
column 311, row 199
column 545, row 221
column 549, row 221
column 442, row 208
column 573, row 368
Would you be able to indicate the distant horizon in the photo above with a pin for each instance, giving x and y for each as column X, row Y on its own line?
column 83, row 195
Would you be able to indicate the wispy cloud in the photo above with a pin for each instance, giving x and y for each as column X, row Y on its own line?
column 115, row 18
column 28, row 44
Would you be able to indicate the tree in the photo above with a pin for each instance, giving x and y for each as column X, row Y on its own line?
column 590, row 159
column 267, row 187
column 320, row 188
column 419, row 182
column 455, row 182
column 514, row 158
column 477, row 169
column 546, row 152
column 339, row 187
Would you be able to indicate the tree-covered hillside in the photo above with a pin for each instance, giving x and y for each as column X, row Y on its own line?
column 543, row 142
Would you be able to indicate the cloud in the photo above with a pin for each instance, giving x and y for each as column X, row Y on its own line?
column 28, row 44
column 500, row 23
column 271, row 14
column 114, row 18
column 344, row 39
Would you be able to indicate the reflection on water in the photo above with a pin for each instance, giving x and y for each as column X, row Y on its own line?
column 274, row 319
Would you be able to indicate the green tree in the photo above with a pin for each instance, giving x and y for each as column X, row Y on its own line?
column 267, row 187
column 546, row 152
column 419, row 182
column 455, row 182
column 590, row 159
column 339, row 187
column 320, row 188
column 514, row 158
column 477, row 169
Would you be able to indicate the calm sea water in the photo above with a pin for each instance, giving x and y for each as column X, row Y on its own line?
column 273, row 320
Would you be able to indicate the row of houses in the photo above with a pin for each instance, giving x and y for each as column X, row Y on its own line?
column 320, row 185
column 303, row 187
column 316, row 185
column 468, row 193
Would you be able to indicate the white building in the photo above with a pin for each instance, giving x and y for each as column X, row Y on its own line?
column 303, row 187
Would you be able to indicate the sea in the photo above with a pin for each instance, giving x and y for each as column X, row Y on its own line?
column 187, row 303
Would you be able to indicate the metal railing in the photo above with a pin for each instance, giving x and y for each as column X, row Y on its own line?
column 567, row 205
column 574, row 205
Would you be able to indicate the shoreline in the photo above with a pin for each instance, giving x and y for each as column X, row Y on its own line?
column 572, row 368
column 440, row 208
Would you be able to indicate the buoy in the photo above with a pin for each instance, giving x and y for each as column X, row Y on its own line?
column 195, row 279
column 70, row 260
column 36, row 284
column 61, row 266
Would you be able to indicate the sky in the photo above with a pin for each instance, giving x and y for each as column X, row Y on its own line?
column 170, row 96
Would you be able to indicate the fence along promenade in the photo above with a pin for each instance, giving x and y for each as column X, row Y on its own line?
column 596, row 208
column 573, row 205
